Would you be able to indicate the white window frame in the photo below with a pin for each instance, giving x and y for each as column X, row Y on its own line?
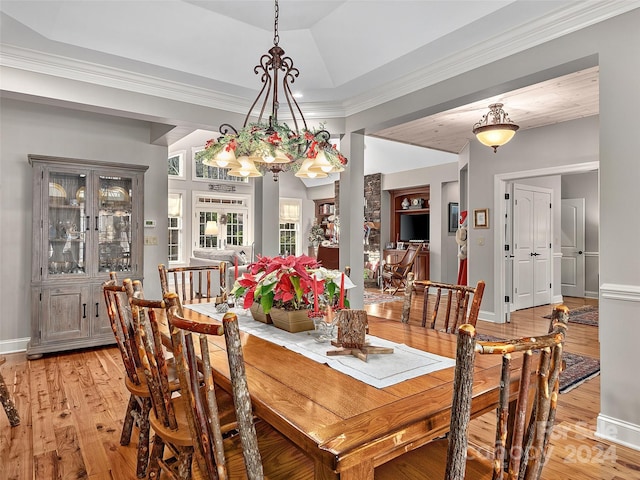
column 181, row 166
column 297, row 221
column 195, row 178
column 222, row 209
column 181, row 235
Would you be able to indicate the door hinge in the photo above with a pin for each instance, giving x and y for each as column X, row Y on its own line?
column 507, row 299
column 41, row 272
column 549, row 205
column 506, row 248
column 40, row 296
column 549, row 245
column 506, row 196
column 549, row 285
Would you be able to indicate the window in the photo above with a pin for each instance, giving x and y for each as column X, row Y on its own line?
column 176, row 165
column 206, row 172
column 175, row 238
column 288, row 238
column 290, row 242
column 230, row 215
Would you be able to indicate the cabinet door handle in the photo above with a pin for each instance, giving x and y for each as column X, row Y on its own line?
column 97, row 312
column 96, row 223
column 84, row 310
column 87, row 229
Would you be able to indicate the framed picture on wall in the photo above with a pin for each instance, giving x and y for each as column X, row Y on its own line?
column 453, row 217
column 481, row 218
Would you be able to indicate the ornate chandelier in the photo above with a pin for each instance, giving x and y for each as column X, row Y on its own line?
column 272, row 146
column 495, row 128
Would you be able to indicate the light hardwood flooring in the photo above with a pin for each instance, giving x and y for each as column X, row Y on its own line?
column 72, row 406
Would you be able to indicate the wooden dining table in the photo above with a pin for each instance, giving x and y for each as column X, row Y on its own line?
column 346, row 426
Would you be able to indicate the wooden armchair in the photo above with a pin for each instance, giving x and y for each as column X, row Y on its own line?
column 522, row 434
column 168, row 417
column 194, row 282
column 394, row 275
column 227, row 458
column 139, row 406
column 448, row 308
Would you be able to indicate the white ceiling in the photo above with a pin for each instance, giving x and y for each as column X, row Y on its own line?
column 352, row 54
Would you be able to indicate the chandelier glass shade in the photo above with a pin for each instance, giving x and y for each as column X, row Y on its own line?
column 268, row 145
column 495, row 128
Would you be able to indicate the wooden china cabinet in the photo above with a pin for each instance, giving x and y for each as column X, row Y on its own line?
column 87, row 222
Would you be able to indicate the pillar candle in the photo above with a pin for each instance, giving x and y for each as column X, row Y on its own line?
column 315, row 294
column 342, row 291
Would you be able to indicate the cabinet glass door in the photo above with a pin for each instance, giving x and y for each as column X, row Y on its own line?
column 67, row 249
column 114, row 223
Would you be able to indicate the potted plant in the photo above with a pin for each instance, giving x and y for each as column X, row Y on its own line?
column 316, row 234
column 295, row 288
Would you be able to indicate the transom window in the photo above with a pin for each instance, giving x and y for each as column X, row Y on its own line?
column 206, row 172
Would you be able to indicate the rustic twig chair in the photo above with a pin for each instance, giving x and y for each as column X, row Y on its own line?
column 522, row 432
column 7, row 403
column 448, row 308
column 169, row 414
column 394, row 275
column 225, row 459
column 192, row 283
column 119, row 313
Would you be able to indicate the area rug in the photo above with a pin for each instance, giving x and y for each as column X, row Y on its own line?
column 578, row 368
column 586, row 315
column 371, row 298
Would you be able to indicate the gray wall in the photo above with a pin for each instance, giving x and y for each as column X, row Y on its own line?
column 585, row 186
column 572, row 143
column 30, row 128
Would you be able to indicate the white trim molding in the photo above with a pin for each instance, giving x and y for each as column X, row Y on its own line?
column 614, row 291
column 618, row 431
column 14, row 345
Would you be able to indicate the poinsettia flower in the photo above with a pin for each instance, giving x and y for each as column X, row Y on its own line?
column 209, row 143
column 274, row 138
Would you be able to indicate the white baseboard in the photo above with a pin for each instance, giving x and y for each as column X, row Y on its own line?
column 14, row 346
column 489, row 317
column 618, row 431
column 591, row 294
column 556, row 299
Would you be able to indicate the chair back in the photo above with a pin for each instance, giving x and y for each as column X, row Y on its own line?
column 192, row 283
column 120, row 318
column 522, row 435
column 145, row 315
column 405, row 265
column 204, row 420
column 453, row 310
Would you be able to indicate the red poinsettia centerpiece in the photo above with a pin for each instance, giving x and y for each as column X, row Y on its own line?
column 290, row 283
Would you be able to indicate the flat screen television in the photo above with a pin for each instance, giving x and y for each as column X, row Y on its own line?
column 414, row 227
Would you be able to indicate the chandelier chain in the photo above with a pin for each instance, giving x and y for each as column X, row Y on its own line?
column 276, row 37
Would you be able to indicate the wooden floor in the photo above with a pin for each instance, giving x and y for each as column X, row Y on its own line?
column 72, row 406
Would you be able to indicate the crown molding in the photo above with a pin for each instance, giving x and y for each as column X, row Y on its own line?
column 561, row 22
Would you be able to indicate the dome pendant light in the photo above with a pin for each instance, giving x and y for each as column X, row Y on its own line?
column 495, row 128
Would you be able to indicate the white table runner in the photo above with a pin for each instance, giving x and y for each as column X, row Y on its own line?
column 379, row 371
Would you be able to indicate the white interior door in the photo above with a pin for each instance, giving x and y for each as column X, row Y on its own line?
column 572, row 264
column 532, row 246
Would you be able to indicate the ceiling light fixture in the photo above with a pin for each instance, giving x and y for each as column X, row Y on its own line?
column 273, row 146
column 495, row 128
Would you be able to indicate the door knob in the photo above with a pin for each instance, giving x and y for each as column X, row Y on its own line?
column 579, row 252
